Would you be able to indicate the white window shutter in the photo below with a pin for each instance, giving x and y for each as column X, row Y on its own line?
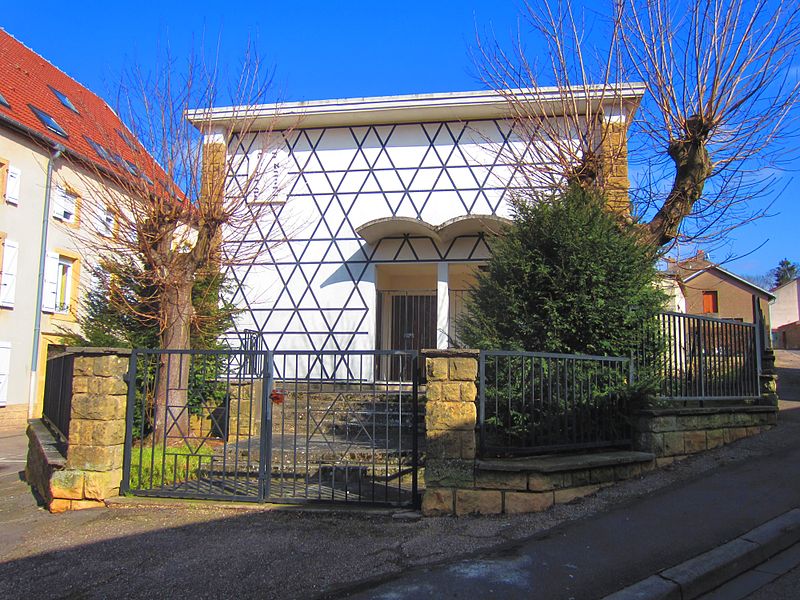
column 5, row 370
column 12, row 185
column 8, row 278
column 50, row 283
column 59, row 202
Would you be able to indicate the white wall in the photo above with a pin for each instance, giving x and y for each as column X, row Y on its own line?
column 786, row 306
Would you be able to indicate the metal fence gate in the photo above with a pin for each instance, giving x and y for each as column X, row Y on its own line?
column 267, row 426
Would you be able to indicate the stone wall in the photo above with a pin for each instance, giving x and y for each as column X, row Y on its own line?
column 92, row 469
column 450, row 422
column 458, row 483
column 673, row 433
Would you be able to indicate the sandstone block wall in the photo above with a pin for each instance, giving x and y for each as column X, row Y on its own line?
column 92, row 468
column 458, row 483
column 672, row 433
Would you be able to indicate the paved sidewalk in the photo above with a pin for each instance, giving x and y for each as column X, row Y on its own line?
column 604, row 553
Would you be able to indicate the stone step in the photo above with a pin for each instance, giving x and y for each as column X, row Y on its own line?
column 545, row 473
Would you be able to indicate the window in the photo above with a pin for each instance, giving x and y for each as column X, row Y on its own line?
column 107, row 223
column 710, row 302
column 9, row 251
column 64, row 100
column 64, row 284
column 60, row 282
column 64, row 205
column 48, row 121
column 4, row 102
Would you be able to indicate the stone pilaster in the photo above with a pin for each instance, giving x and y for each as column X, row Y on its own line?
column 615, row 166
column 92, row 471
column 768, row 380
column 450, row 423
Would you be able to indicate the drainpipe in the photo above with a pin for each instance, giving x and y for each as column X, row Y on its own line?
column 55, row 153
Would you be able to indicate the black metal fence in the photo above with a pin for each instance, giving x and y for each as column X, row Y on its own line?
column 532, row 402
column 310, row 426
column 696, row 358
column 58, row 394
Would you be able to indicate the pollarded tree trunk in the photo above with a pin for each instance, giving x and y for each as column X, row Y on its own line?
column 172, row 391
column 692, row 168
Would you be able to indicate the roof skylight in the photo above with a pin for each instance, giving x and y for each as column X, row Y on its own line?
column 101, row 152
column 128, row 141
column 64, row 100
column 48, row 121
column 4, row 102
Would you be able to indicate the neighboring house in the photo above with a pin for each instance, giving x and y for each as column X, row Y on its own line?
column 389, row 205
column 58, row 141
column 714, row 291
column 785, row 315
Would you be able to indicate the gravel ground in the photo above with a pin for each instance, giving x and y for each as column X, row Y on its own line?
column 209, row 550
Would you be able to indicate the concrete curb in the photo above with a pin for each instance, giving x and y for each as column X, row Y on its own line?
column 711, row 569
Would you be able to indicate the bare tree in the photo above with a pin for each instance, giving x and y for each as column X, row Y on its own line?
column 181, row 200
column 719, row 99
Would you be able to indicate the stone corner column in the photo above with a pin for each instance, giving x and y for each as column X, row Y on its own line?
column 614, row 163
column 96, row 438
column 768, row 379
column 450, row 424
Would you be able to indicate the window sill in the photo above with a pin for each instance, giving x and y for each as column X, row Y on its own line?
column 63, row 316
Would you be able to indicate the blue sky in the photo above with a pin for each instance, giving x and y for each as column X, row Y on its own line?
column 325, row 50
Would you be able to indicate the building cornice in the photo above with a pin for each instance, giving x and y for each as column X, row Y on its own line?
column 417, row 108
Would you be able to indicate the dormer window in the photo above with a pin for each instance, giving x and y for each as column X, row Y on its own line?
column 48, row 121
column 64, row 100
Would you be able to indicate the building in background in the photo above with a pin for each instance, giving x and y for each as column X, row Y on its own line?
column 714, row 291
column 57, row 139
column 785, row 315
column 388, row 206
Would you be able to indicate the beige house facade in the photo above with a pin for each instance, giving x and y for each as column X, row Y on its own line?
column 62, row 149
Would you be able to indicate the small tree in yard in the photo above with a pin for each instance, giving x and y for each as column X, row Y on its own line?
column 177, row 215
column 565, row 277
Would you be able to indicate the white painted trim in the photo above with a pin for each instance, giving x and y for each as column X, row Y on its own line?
column 415, row 108
column 442, row 305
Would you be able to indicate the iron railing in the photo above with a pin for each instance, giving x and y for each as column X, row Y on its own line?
column 250, row 343
column 533, row 402
column 696, row 358
column 310, row 426
column 58, row 394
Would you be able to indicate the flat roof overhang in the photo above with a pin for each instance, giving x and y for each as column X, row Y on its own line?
column 395, row 227
column 416, row 108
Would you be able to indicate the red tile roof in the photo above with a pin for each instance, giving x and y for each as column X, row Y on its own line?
column 27, row 79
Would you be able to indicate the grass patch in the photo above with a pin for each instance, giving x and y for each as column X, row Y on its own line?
column 162, row 467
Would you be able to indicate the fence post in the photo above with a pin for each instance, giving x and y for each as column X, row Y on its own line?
column 450, row 421
column 265, row 447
